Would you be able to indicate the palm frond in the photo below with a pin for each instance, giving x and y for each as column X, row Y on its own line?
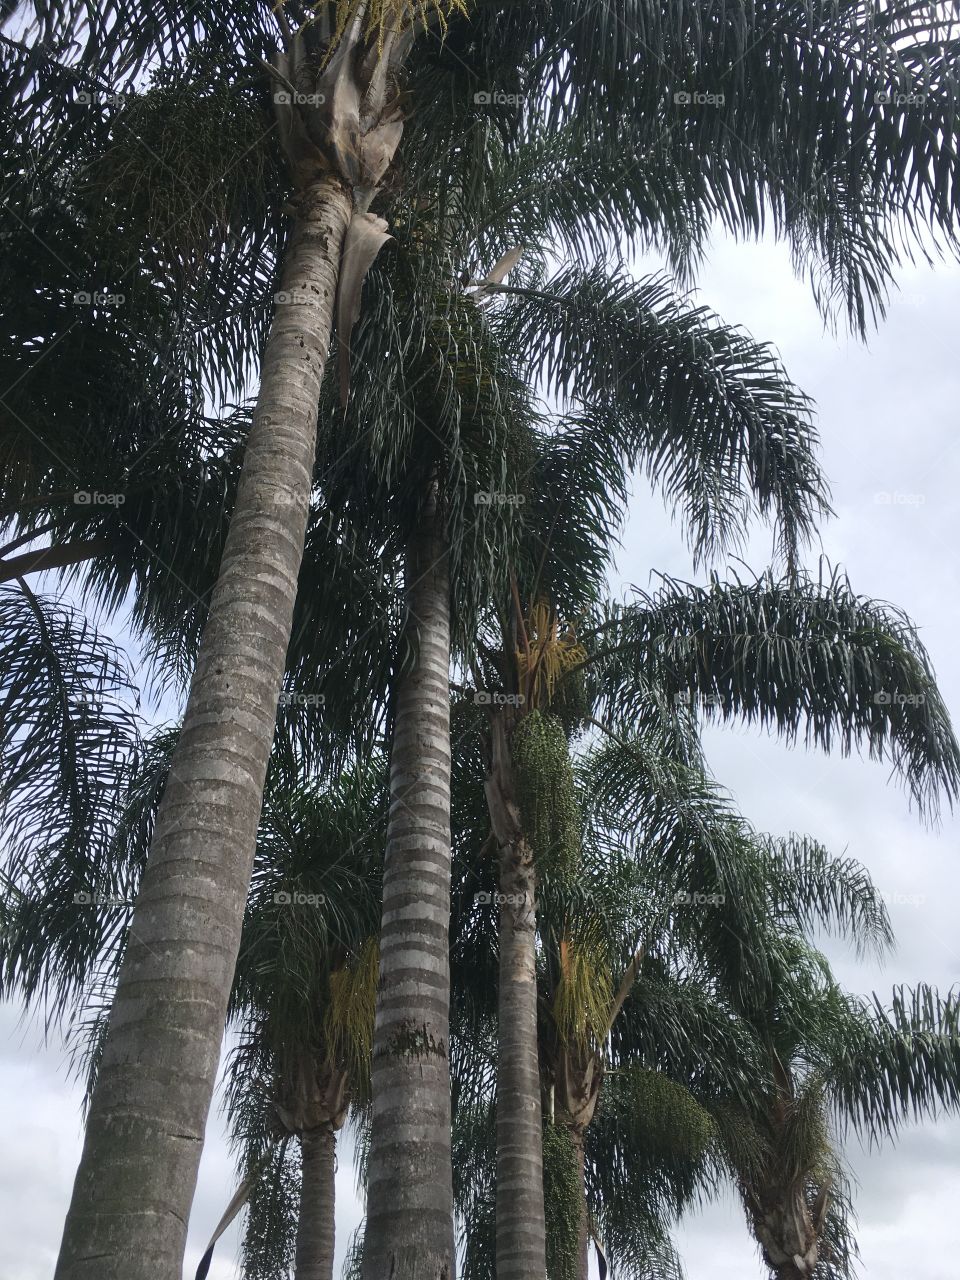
column 791, row 656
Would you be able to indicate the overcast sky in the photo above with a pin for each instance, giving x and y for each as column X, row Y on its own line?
column 888, row 416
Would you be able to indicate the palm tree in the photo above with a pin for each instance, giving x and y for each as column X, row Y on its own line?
column 677, row 884
column 657, row 972
column 834, row 222
column 748, row 941
column 763, row 664
column 138, row 1166
column 630, row 945
column 303, row 998
column 836, row 1063
column 302, row 1001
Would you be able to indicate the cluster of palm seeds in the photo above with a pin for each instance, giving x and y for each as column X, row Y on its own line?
column 562, row 1198
column 546, row 793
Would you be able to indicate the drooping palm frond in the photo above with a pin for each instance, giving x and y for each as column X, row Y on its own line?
column 474, row 1165
column 887, row 1064
column 708, row 413
column 811, row 889
column 353, row 1258
column 273, row 1205
column 832, row 125
column 69, row 741
column 800, row 656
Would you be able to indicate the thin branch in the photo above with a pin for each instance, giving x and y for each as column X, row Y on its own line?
column 626, row 986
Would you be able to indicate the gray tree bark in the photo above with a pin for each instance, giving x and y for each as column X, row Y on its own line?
column 138, row 1170
column 316, row 1226
column 409, row 1233
column 521, row 1228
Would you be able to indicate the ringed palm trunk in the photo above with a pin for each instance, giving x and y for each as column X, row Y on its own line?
column 521, row 1228
column 409, row 1233
column 316, row 1224
column 144, row 1135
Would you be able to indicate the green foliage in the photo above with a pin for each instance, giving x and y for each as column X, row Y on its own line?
column 350, row 1014
column 69, row 746
column 271, row 1218
column 708, row 413
column 189, row 163
column 666, row 1115
column 385, row 16
column 353, row 1258
column 796, row 655
column 546, row 793
column 563, row 1202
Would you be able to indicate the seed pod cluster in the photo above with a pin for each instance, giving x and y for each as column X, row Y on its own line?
column 562, row 1202
column 546, row 793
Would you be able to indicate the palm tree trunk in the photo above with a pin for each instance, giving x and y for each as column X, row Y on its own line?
column 144, row 1135
column 409, row 1234
column 578, row 1138
column 789, row 1234
column 521, row 1228
column 317, row 1222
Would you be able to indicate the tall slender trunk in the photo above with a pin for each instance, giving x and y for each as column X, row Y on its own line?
column 138, row 1170
column 521, row 1228
column 318, row 1197
column 409, row 1234
column 579, row 1138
